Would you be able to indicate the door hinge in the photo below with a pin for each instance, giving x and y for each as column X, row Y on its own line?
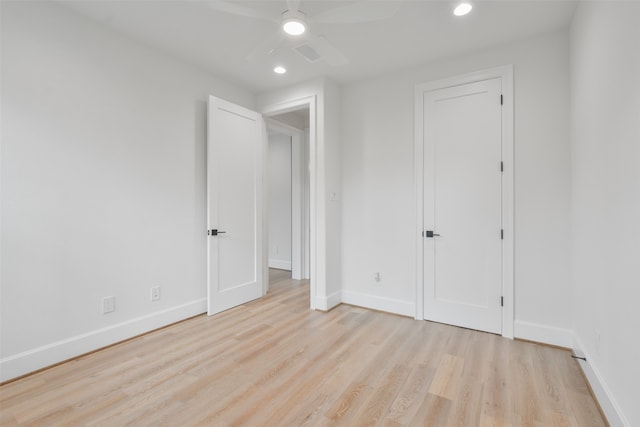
column 501, row 99
column 501, row 166
column 501, row 301
column 502, row 234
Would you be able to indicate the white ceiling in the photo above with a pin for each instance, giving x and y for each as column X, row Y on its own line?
column 420, row 31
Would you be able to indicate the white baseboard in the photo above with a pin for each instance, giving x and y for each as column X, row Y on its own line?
column 327, row 303
column 390, row 305
column 543, row 333
column 50, row 354
column 280, row 264
column 607, row 402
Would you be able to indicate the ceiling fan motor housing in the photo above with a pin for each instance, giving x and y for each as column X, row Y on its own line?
column 294, row 22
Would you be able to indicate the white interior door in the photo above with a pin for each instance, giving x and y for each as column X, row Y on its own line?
column 235, row 144
column 463, row 205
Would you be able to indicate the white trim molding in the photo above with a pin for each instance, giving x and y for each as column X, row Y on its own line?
column 330, row 301
column 60, row 351
column 607, row 402
column 543, row 333
column 375, row 302
column 505, row 73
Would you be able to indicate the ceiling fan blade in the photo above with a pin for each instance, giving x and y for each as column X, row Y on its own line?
column 327, row 51
column 238, row 9
column 267, row 47
column 293, row 5
column 363, row 11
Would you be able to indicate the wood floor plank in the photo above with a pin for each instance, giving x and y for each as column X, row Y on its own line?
column 433, row 411
column 406, row 404
column 274, row 362
column 497, row 383
column 445, row 384
column 383, row 396
column 348, row 406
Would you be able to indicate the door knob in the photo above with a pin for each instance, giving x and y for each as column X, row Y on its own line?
column 430, row 233
column 215, row 232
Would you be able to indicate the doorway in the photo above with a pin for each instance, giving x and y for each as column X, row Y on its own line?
column 464, row 197
column 294, row 109
column 288, row 193
column 279, row 194
column 252, row 238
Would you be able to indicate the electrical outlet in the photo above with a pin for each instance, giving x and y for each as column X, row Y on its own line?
column 155, row 293
column 108, row 305
column 377, row 279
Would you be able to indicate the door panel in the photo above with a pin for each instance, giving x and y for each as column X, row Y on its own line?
column 234, row 171
column 463, row 204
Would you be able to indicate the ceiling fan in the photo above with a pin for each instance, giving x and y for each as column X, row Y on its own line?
column 295, row 25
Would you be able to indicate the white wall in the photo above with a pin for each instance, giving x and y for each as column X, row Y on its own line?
column 377, row 196
column 605, row 95
column 103, row 185
column 333, row 177
column 279, row 181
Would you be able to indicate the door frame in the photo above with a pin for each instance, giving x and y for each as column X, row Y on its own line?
column 299, row 239
column 505, row 73
column 285, row 107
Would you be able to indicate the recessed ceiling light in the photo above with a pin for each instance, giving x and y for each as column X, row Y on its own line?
column 293, row 22
column 279, row 70
column 462, row 9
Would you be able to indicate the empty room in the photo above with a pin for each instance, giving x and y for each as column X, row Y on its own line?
column 319, row 213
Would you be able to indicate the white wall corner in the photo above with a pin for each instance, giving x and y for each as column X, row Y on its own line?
column 50, row 354
column 326, row 303
column 543, row 333
column 603, row 394
column 390, row 305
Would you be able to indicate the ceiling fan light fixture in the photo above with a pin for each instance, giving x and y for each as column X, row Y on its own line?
column 462, row 9
column 294, row 23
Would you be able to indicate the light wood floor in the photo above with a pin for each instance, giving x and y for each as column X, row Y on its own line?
column 274, row 362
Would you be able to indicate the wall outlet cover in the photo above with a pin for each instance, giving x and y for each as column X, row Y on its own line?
column 108, row 305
